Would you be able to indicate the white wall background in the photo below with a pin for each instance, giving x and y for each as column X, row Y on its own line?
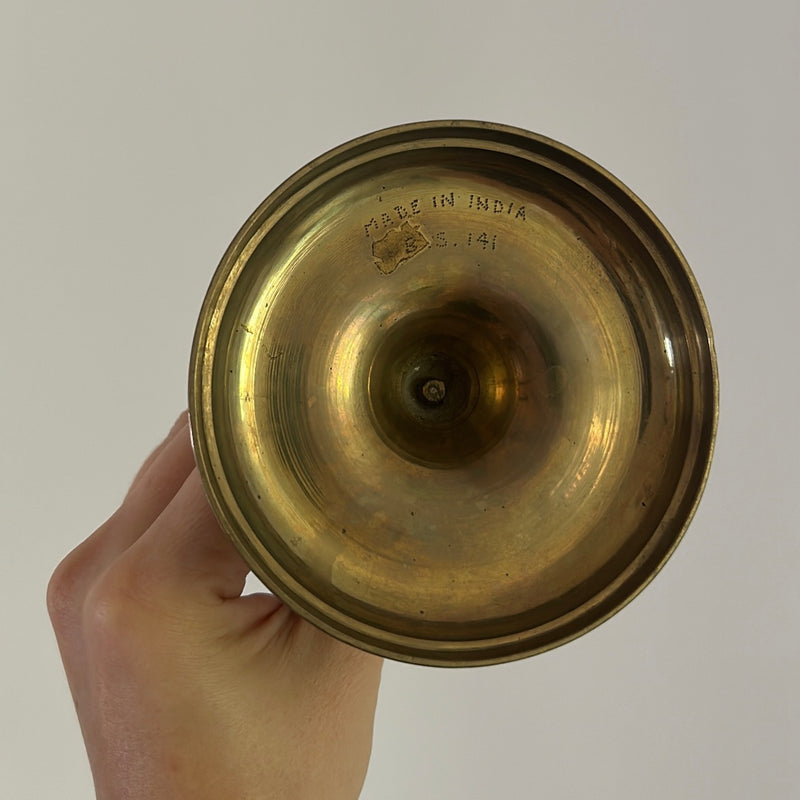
column 135, row 138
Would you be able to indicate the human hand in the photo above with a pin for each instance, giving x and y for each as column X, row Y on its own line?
column 183, row 687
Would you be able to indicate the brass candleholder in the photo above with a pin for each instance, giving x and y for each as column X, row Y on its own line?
column 453, row 393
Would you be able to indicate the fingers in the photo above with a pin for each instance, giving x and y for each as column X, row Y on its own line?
column 177, row 427
column 77, row 574
column 185, row 552
column 154, row 487
column 165, row 544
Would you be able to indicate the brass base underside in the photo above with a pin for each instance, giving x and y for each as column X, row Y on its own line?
column 453, row 393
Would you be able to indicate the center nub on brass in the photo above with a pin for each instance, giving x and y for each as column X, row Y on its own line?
column 442, row 385
column 434, row 391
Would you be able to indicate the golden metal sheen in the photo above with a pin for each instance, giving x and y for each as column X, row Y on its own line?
column 453, row 393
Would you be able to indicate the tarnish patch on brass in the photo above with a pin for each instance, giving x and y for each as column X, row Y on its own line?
column 399, row 245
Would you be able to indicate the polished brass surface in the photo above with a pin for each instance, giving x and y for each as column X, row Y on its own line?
column 453, row 393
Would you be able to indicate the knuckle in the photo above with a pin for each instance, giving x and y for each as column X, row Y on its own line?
column 120, row 606
column 63, row 593
column 68, row 585
column 107, row 612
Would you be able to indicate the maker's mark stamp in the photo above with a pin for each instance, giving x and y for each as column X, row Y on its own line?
column 398, row 245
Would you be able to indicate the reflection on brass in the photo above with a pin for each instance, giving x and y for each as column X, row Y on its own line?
column 453, row 393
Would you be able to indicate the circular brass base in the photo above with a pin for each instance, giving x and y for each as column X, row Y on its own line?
column 453, row 393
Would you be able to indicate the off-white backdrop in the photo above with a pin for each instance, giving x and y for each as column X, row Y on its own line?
column 135, row 138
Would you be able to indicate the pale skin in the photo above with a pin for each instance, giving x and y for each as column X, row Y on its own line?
column 183, row 687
